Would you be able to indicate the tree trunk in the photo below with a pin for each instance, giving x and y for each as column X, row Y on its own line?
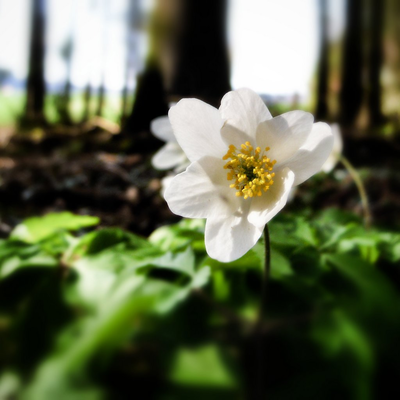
column 149, row 100
column 351, row 91
column 65, row 97
column 150, row 97
column 36, row 88
column 87, row 96
column 202, row 66
column 133, row 21
column 101, row 98
column 375, row 61
column 321, row 112
column 102, row 89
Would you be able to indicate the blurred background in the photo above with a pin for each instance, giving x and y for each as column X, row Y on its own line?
column 80, row 83
column 82, row 80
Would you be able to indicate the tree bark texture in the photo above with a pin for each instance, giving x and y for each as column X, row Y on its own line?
column 202, row 65
column 351, row 91
column 321, row 112
column 36, row 88
column 375, row 61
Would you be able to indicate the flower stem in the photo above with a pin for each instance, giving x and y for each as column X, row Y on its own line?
column 361, row 189
column 267, row 268
column 260, row 389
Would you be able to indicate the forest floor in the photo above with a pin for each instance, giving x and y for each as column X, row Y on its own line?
column 98, row 172
column 78, row 173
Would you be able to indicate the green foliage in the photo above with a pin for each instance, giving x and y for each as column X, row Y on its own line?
column 35, row 229
column 199, row 367
column 106, row 313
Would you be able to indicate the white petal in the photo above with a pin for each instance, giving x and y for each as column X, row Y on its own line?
column 229, row 238
column 231, row 135
column 165, row 182
column 202, row 190
column 265, row 207
column 284, row 134
column 162, row 129
column 336, row 152
column 169, row 156
column 197, row 127
column 182, row 165
column 312, row 154
column 330, row 163
column 244, row 110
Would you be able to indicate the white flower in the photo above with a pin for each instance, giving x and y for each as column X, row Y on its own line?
column 337, row 149
column 171, row 154
column 243, row 165
column 165, row 182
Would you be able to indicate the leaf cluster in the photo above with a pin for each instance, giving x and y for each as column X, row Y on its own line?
column 91, row 313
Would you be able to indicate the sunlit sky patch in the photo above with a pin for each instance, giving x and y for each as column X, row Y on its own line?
column 273, row 44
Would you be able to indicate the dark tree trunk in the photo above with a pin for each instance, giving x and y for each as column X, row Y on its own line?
column 124, row 105
column 202, row 66
column 351, row 91
column 321, row 112
column 375, row 61
column 102, row 90
column 149, row 100
column 87, row 96
column 101, row 98
column 36, row 88
column 132, row 23
column 150, row 96
column 64, row 99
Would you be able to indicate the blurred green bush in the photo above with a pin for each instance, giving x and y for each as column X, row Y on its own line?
column 107, row 314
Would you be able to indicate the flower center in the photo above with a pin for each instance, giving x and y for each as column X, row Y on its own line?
column 250, row 169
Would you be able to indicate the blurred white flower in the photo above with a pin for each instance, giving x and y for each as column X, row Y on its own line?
column 337, row 149
column 171, row 154
column 243, row 165
column 165, row 182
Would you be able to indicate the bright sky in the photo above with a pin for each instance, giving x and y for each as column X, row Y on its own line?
column 14, row 23
column 273, row 43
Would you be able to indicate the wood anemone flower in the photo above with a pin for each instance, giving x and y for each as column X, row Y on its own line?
column 243, row 164
column 337, row 150
column 171, row 154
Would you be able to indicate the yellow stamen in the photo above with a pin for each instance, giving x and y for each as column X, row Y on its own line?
column 250, row 169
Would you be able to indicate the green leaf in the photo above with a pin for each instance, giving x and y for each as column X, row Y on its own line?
column 10, row 384
column 280, row 265
column 123, row 312
column 58, row 243
column 101, row 273
column 347, row 347
column 202, row 366
column 337, row 333
column 390, row 246
column 178, row 236
column 368, row 287
column 15, row 263
column 283, row 233
column 181, row 262
column 16, row 255
column 367, row 246
column 306, row 232
column 103, row 239
column 337, row 216
column 221, row 286
column 35, row 229
column 253, row 259
column 78, row 344
column 9, row 248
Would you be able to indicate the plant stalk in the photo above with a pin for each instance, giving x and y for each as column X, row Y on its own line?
column 361, row 189
column 266, row 273
column 260, row 334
